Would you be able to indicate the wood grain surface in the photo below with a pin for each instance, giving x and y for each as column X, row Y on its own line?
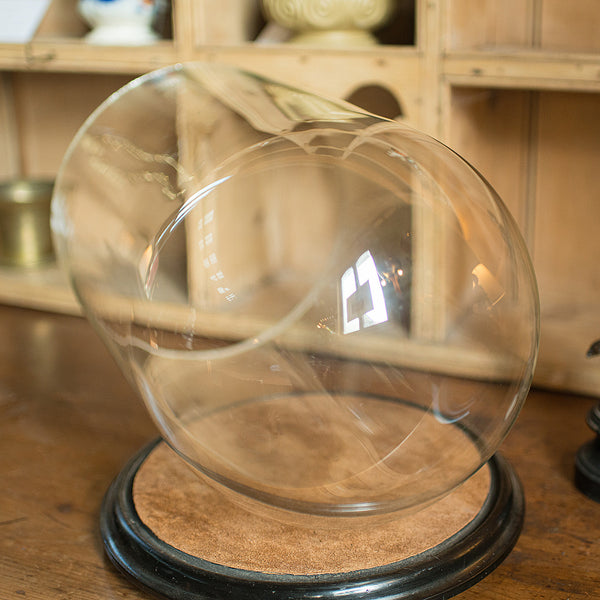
column 69, row 421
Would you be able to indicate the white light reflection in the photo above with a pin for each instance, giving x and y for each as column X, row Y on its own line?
column 483, row 277
column 443, row 410
column 148, row 265
column 348, row 290
column 367, row 273
column 362, row 296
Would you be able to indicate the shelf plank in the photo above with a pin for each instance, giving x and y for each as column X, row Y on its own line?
column 75, row 55
column 44, row 288
column 523, row 70
column 504, row 69
column 562, row 364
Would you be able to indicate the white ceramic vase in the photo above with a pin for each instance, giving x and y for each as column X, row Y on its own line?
column 119, row 22
column 330, row 22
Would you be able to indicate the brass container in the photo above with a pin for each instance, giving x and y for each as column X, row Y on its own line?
column 25, row 238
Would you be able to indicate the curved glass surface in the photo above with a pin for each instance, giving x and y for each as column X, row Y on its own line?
column 324, row 311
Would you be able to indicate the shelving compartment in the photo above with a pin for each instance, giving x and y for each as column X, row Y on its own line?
column 502, row 25
column 539, row 150
column 39, row 115
column 59, row 44
column 63, row 21
column 508, row 83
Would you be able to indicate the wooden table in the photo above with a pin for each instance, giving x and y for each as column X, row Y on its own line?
column 69, row 421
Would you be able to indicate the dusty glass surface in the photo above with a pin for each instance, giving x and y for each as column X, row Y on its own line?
column 323, row 310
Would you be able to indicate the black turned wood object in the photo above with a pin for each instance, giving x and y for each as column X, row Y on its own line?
column 587, row 461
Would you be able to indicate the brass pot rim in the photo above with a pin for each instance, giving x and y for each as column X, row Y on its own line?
column 25, row 191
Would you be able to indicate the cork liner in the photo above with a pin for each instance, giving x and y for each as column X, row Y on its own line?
column 187, row 513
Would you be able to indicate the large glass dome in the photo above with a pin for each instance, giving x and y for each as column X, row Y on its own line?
column 324, row 311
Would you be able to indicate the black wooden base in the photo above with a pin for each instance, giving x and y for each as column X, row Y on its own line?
column 587, row 461
column 587, row 470
column 438, row 573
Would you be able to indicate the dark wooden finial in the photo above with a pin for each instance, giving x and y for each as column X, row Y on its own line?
column 587, row 461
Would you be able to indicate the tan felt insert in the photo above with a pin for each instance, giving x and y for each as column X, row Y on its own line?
column 189, row 514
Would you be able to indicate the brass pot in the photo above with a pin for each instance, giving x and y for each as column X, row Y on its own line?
column 25, row 239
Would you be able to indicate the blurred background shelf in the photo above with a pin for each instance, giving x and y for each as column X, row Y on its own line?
column 76, row 56
column 512, row 85
column 534, row 70
column 43, row 288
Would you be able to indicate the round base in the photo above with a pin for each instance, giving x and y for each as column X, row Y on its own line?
column 463, row 556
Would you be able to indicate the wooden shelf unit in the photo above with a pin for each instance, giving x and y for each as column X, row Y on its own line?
column 512, row 85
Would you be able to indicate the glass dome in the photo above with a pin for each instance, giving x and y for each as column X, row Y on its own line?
column 324, row 311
